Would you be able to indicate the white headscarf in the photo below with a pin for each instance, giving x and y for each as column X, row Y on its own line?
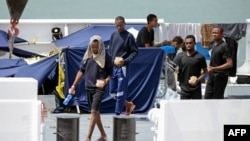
column 100, row 57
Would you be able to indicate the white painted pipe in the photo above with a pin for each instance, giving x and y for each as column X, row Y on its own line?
column 42, row 135
column 42, row 126
column 66, row 30
column 78, row 109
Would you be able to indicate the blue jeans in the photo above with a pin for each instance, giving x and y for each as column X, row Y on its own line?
column 118, row 86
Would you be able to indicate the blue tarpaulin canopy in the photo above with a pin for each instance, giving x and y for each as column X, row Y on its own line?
column 9, row 67
column 39, row 70
column 144, row 75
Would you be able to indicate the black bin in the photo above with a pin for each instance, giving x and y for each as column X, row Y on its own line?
column 124, row 128
column 67, row 128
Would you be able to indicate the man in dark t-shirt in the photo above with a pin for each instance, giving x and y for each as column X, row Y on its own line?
column 193, row 68
column 145, row 37
column 218, row 68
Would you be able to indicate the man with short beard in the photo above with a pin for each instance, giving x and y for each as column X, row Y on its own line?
column 193, row 68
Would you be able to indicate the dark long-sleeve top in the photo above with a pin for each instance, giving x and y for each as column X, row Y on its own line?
column 122, row 44
column 93, row 71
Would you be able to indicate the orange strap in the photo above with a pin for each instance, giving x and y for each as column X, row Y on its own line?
column 13, row 27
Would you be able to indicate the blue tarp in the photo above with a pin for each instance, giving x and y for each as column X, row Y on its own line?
column 4, row 39
column 4, row 46
column 81, row 37
column 144, row 73
column 9, row 67
column 11, row 63
column 21, row 53
column 39, row 70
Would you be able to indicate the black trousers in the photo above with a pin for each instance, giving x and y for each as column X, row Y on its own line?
column 195, row 94
column 216, row 85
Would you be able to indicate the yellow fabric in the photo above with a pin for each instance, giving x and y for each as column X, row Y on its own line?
column 60, row 86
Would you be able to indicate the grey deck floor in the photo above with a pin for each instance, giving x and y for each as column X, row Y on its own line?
column 143, row 127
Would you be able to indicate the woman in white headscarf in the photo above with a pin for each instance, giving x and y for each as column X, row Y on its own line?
column 97, row 67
